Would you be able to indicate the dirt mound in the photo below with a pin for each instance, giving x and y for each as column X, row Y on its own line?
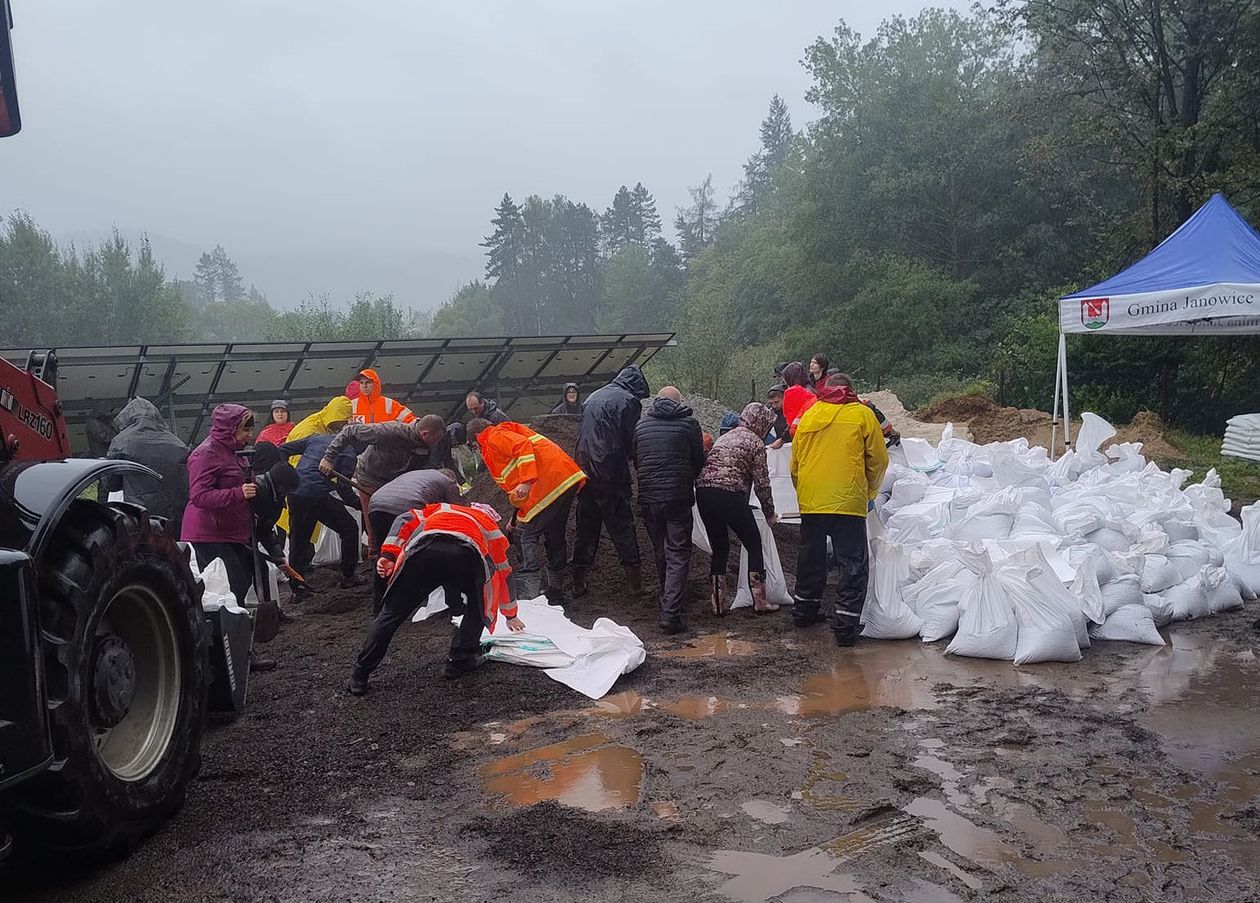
column 910, row 425
column 1149, row 429
column 990, row 422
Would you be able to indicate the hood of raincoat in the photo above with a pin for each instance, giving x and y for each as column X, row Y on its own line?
column 338, row 410
column 223, row 423
column 795, row 374
column 757, row 417
column 668, row 409
column 375, row 380
column 139, row 412
column 633, row 381
column 837, row 394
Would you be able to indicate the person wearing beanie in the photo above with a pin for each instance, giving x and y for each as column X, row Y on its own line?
column 280, row 426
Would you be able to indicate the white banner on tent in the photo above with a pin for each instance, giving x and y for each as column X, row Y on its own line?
column 1218, row 309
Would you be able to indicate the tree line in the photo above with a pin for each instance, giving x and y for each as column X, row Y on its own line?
column 965, row 170
column 118, row 294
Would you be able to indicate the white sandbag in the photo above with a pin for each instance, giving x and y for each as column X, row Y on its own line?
column 908, row 490
column 1211, row 511
column 1223, row 591
column 1124, row 590
column 596, row 657
column 782, row 490
column 1242, row 554
column 1104, row 565
column 987, row 627
column 886, row 616
column 1189, row 558
column 776, row 585
column 1088, row 592
column 1179, row 530
column 937, row 597
column 920, row 455
column 1189, row 599
column 1110, row 537
column 1032, row 567
column 218, row 591
column 699, row 538
column 1093, row 433
column 1131, row 624
column 328, row 543
column 1046, row 632
column 1160, row 607
column 1158, row 574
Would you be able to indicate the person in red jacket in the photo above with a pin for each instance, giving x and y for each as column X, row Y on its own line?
column 456, row 547
column 278, row 430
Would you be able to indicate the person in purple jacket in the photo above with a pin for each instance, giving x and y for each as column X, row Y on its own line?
column 217, row 517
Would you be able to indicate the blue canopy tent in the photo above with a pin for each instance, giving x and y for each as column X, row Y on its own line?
column 1204, row 279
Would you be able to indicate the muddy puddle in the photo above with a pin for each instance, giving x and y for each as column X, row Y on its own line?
column 715, row 645
column 588, row 772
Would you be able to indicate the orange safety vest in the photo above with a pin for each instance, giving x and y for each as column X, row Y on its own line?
column 467, row 525
column 515, row 454
column 377, row 408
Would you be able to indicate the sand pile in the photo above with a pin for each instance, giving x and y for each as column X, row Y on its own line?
column 915, row 425
column 990, row 422
column 1149, row 429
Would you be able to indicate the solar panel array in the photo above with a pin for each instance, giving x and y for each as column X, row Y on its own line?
column 526, row 375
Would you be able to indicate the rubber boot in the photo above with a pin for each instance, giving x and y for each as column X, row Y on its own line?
column 458, row 667
column 260, row 662
column 553, row 585
column 529, row 585
column 757, row 584
column 716, row 603
column 634, row 579
column 357, row 685
column 579, row 582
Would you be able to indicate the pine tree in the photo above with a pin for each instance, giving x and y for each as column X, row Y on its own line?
column 620, row 225
column 505, row 260
column 206, row 280
column 776, row 141
column 647, row 217
column 230, row 284
column 697, row 223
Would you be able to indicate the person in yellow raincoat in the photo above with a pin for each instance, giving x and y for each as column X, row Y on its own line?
column 838, row 464
column 329, row 419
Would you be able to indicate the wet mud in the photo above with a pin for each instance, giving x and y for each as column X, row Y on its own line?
column 749, row 761
column 745, row 761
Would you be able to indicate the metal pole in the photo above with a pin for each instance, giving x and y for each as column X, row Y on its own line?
column 1054, row 418
column 1067, row 411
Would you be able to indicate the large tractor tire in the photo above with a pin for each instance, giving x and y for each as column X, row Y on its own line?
column 125, row 661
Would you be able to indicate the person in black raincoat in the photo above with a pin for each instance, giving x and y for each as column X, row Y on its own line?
column 668, row 456
column 604, row 446
column 144, row 437
column 570, row 401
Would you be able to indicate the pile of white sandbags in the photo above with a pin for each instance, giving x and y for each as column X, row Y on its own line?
column 1242, row 437
column 1022, row 558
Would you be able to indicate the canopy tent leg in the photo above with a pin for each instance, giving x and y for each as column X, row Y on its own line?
column 1054, row 419
column 1067, row 411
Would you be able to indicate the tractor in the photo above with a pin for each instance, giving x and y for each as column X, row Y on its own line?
column 104, row 664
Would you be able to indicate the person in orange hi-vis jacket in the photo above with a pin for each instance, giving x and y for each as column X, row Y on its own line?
column 459, row 548
column 372, row 406
column 541, row 482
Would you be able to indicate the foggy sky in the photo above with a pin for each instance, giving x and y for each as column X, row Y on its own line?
column 345, row 146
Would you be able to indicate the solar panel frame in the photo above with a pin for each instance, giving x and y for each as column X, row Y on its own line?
column 526, row 374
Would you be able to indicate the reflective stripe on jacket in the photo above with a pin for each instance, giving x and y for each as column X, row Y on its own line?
column 838, row 459
column 467, row 525
column 515, row 454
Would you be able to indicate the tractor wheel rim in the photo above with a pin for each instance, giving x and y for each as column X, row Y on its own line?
column 133, row 747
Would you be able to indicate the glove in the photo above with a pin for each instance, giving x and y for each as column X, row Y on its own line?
column 870, row 506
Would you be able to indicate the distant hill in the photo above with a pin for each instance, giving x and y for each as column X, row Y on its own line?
column 417, row 279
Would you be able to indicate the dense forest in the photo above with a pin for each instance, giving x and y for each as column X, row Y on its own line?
column 964, row 169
